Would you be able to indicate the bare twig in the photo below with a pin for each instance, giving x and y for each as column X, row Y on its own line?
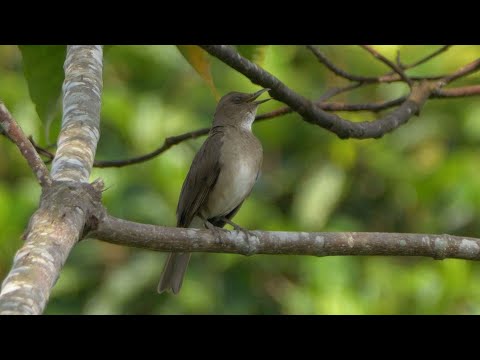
column 374, row 107
column 389, row 63
column 463, row 91
column 14, row 133
column 468, row 69
column 167, row 144
column 428, row 57
column 387, row 78
column 336, row 70
column 42, row 151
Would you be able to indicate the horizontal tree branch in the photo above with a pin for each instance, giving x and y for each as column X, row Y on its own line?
column 462, row 91
column 167, row 239
column 13, row 131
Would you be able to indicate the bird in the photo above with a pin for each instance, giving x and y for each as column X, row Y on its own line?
column 221, row 176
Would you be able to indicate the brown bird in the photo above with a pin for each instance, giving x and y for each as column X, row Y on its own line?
column 220, row 178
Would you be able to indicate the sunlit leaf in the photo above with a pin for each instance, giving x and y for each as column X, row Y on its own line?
column 200, row 61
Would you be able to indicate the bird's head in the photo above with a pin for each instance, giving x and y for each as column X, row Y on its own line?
column 238, row 109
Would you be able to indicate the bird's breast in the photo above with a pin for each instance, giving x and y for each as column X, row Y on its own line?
column 241, row 158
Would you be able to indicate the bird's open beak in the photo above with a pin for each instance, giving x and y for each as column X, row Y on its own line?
column 256, row 95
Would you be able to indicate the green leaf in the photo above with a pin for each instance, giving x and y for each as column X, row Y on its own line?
column 43, row 68
column 254, row 53
column 200, row 61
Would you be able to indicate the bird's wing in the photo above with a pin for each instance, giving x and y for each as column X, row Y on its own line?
column 201, row 179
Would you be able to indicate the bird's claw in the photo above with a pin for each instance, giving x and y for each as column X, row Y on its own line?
column 216, row 230
column 249, row 237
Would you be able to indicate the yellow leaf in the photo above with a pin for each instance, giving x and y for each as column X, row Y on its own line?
column 200, row 61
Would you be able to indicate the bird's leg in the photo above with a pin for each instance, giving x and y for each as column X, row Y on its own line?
column 248, row 234
column 235, row 226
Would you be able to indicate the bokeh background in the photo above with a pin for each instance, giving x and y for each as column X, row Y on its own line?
column 422, row 178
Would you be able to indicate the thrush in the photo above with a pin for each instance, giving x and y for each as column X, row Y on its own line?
column 220, row 178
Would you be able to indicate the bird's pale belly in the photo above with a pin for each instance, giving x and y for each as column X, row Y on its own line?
column 232, row 187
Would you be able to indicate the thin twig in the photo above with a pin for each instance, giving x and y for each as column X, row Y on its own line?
column 14, row 132
column 336, row 70
column 386, row 78
column 462, row 91
column 167, row 144
column 389, row 63
column 468, row 69
column 427, row 58
column 373, row 107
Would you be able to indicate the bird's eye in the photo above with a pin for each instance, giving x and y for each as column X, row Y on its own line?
column 237, row 99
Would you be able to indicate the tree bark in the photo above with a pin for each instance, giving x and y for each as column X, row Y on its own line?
column 159, row 238
column 60, row 220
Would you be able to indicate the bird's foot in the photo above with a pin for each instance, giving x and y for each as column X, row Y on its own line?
column 217, row 230
column 249, row 236
column 235, row 226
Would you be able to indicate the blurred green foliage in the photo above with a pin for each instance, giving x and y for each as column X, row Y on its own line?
column 421, row 178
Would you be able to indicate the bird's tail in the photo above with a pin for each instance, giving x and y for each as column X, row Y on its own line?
column 173, row 272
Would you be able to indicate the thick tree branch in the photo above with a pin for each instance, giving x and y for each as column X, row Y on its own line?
column 159, row 238
column 66, row 206
column 82, row 91
column 313, row 113
column 13, row 131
